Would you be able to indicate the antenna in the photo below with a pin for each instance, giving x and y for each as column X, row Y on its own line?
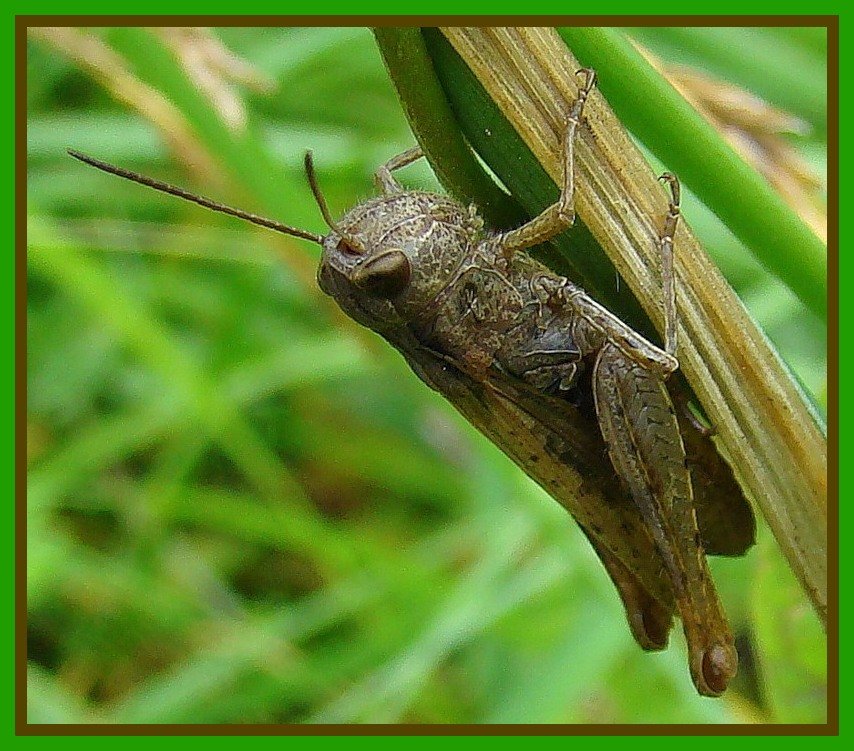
column 206, row 202
column 352, row 242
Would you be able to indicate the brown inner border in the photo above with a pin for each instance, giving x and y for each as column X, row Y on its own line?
column 22, row 727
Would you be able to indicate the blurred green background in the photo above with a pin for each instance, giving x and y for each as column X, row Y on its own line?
column 242, row 507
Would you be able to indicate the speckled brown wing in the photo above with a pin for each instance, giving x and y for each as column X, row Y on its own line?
column 726, row 520
column 559, row 448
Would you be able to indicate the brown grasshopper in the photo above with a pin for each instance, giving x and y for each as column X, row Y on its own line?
column 536, row 365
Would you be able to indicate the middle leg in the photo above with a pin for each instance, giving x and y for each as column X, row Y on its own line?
column 561, row 215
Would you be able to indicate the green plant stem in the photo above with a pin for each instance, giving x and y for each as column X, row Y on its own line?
column 410, row 68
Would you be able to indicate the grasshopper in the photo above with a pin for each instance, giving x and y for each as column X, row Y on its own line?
column 550, row 375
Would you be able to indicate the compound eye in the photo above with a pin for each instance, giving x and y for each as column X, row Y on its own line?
column 385, row 275
column 346, row 248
